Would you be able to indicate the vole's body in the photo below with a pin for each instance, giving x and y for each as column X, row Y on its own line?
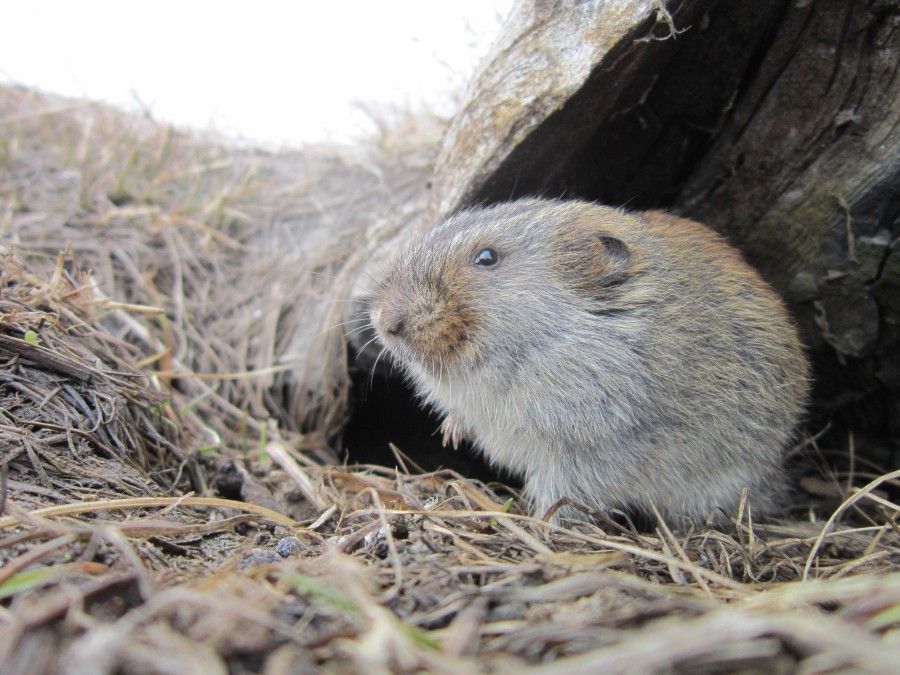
column 619, row 359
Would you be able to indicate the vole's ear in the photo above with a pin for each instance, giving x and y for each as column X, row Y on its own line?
column 592, row 260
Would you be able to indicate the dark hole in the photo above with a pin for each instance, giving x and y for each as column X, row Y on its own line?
column 385, row 410
column 121, row 198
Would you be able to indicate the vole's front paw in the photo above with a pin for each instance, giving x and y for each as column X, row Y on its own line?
column 452, row 432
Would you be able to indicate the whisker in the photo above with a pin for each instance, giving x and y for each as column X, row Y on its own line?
column 346, row 323
column 363, row 348
column 393, row 364
column 379, row 283
column 375, row 367
column 358, row 330
column 449, row 382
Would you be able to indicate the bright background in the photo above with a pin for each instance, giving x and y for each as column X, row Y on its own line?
column 274, row 73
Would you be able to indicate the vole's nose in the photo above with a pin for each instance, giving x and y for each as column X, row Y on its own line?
column 395, row 326
column 391, row 321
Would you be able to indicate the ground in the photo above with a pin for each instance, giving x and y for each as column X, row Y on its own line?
column 165, row 509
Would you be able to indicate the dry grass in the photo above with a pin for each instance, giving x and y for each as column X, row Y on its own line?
column 161, row 512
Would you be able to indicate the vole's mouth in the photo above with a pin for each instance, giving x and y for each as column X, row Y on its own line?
column 393, row 334
column 406, row 351
column 430, row 340
column 397, row 348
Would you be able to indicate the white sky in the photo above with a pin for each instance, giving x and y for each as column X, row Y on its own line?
column 279, row 73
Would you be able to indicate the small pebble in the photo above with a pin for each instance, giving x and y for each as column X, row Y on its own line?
column 507, row 613
column 258, row 556
column 400, row 530
column 287, row 546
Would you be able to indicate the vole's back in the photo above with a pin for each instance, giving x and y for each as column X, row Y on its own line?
column 730, row 373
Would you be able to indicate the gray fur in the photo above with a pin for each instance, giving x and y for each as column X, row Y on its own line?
column 676, row 388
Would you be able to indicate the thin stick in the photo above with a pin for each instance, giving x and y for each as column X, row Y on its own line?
column 850, row 501
column 144, row 502
column 276, row 450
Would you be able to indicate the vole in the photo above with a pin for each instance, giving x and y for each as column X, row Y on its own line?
column 624, row 360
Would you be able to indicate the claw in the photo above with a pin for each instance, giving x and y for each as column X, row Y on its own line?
column 451, row 432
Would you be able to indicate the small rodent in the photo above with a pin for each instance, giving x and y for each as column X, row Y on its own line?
column 624, row 360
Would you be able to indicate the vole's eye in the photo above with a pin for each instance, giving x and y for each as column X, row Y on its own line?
column 486, row 257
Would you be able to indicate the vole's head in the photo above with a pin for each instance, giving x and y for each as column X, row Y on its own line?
column 499, row 281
